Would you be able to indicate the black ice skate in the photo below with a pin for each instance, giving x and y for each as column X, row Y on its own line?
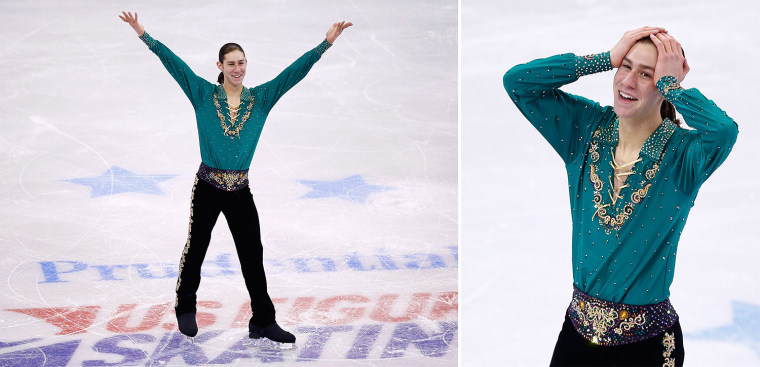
column 278, row 338
column 187, row 325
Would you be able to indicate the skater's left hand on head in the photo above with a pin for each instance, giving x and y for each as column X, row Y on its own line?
column 670, row 59
column 336, row 30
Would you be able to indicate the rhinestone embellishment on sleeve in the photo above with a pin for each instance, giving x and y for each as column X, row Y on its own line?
column 590, row 64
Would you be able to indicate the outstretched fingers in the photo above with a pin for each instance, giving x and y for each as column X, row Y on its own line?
column 336, row 29
column 132, row 21
column 127, row 17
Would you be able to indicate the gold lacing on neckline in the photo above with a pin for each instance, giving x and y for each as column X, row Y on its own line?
column 609, row 221
column 231, row 130
column 614, row 195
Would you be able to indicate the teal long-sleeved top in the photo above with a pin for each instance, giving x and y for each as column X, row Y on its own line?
column 223, row 145
column 623, row 250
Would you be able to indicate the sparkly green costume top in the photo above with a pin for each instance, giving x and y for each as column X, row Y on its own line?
column 229, row 144
column 624, row 246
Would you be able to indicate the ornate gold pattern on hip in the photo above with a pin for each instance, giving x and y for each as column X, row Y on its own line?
column 226, row 180
column 609, row 323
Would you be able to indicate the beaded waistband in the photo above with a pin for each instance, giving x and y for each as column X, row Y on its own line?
column 608, row 323
column 223, row 179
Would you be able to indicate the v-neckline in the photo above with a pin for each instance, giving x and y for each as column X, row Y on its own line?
column 223, row 111
column 614, row 209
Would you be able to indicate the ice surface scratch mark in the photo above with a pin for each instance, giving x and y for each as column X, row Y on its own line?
column 99, row 58
column 91, row 228
column 20, row 39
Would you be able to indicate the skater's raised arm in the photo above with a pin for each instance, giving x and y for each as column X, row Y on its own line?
column 564, row 119
column 560, row 117
column 714, row 134
column 274, row 89
column 193, row 85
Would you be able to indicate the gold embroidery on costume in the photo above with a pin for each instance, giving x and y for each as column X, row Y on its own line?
column 231, row 130
column 187, row 244
column 613, row 221
column 603, row 320
column 609, row 323
column 651, row 172
column 632, row 322
column 223, row 179
column 669, row 342
column 229, row 179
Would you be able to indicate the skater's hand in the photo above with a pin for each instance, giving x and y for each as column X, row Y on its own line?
column 629, row 39
column 670, row 59
column 336, row 30
column 127, row 17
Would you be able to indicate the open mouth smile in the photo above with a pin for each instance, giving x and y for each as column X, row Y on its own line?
column 627, row 96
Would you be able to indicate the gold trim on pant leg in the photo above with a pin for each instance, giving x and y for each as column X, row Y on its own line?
column 187, row 244
column 669, row 342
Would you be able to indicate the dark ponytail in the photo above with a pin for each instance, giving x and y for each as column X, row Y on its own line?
column 227, row 48
column 668, row 111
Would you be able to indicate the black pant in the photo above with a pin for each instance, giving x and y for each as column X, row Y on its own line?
column 572, row 349
column 243, row 220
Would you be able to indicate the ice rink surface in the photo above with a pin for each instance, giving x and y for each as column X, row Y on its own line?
column 516, row 271
column 355, row 180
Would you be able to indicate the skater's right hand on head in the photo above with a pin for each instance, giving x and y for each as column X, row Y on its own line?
column 670, row 58
column 127, row 17
column 629, row 39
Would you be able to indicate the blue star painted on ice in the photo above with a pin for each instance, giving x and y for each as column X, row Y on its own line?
column 745, row 329
column 117, row 180
column 351, row 188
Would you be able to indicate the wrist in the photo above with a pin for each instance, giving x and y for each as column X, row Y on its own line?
column 322, row 47
column 669, row 87
column 595, row 63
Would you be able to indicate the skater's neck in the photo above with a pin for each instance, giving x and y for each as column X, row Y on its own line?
column 232, row 89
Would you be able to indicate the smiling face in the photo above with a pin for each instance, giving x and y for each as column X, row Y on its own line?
column 636, row 95
column 233, row 67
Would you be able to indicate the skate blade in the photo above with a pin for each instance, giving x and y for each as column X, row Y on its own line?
column 266, row 344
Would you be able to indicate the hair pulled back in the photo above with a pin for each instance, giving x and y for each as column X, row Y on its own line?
column 227, row 48
column 667, row 110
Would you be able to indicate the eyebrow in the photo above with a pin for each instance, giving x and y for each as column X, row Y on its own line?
column 640, row 65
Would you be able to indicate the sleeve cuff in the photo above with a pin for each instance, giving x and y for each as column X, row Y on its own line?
column 590, row 64
column 147, row 39
column 669, row 88
column 323, row 47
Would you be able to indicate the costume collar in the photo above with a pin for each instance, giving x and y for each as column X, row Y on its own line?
column 244, row 96
column 653, row 146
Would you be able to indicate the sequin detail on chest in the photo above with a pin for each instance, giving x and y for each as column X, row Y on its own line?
column 230, row 129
